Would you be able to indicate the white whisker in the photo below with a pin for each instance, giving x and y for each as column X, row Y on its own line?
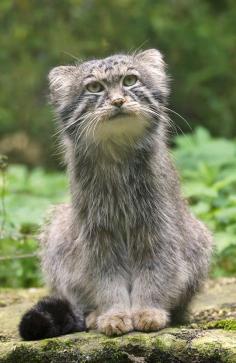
column 182, row 118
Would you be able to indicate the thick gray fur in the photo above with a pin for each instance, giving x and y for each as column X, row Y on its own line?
column 126, row 251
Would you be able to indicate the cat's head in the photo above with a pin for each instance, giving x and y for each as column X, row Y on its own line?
column 116, row 98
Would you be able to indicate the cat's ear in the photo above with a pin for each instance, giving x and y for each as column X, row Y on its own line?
column 153, row 66
column 60, row 80
column 151, row 57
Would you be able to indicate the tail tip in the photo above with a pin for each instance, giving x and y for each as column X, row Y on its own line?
column 35, row 325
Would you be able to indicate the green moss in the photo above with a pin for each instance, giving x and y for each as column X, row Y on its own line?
column 226, row 324
column 167, row 346
column 216, row 345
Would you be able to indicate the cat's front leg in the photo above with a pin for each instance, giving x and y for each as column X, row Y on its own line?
column 148, row 310
column 114, row 313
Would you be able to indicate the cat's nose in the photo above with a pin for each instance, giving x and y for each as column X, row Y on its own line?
column 118, row 102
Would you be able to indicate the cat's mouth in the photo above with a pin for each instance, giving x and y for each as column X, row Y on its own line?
column 119, row 114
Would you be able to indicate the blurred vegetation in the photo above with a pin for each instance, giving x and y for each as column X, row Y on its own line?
column 207, row 168
column 26, row 196
column 197, row 38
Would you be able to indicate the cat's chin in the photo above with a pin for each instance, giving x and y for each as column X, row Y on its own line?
column 121, row 128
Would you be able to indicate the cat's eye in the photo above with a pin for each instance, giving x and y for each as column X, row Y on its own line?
column 95, row 87
column 130, row 80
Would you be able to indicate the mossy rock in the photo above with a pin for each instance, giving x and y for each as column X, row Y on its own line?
column 209, row 337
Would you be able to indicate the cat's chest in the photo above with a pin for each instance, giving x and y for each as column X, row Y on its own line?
column 122, row 202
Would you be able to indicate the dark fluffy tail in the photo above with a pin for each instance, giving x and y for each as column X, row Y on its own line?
column 50, row 317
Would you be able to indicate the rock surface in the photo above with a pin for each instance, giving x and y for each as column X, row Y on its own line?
column 210, row 336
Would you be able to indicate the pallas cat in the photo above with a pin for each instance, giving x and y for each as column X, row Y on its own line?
column 126, row 253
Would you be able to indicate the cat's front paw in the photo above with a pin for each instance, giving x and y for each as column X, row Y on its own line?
column 115, row 323
column 149, row 319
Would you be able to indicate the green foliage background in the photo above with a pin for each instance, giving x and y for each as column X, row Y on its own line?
column 197, row 37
